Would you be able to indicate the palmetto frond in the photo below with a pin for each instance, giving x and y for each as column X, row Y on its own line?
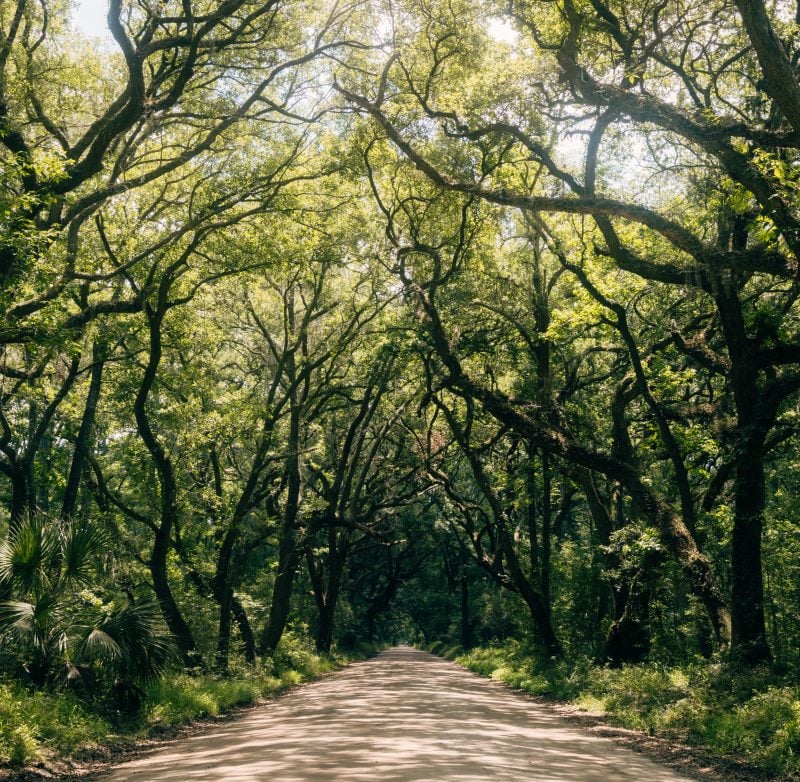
column 80, row 542
column 36, row 625
column 99, row 644
column 40, row 561
column 28, row 555
column 132, row 640
column 17, row 617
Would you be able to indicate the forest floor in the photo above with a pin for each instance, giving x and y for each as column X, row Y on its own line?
column 408, row 715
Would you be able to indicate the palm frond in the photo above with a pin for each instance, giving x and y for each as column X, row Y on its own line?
column 81, row 542
column 98, row 644
column 146, row 648
column 35, row 625
column 28, row 554
column 17, row 617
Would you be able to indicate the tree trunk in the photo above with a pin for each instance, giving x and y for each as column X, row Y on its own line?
column 19, row 496
column 756, row 410
column 245, row 630
column 539, row 612
column 231, row 608
column 324, row 639
column 288, row 550
column 326, row 592
column 749, row 638
column 466, row 620
column 79, row 456
column 628, row 639
column 288, row 560
column 223, row 592
column 169, row 492
column 205, row 587
column 547, row 525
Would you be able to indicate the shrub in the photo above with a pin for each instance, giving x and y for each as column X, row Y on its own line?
column 54, row 629
column 295, row 653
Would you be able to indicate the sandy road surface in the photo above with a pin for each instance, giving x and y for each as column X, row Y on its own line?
column 405, row 715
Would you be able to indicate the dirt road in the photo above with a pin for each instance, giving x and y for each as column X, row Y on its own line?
column 402, row 716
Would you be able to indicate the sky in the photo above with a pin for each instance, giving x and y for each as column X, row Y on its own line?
column 89, row 17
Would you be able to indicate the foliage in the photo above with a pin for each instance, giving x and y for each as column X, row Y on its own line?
column 57, row 627
column 728, row 711
column 34, row 724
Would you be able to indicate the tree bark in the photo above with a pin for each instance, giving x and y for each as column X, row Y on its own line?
column 169, row 491
column 466, row 619
column 747, row 587
column 288, row 550
column 79, row 456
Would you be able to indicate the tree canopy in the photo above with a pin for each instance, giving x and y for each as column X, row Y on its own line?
column 399, row 319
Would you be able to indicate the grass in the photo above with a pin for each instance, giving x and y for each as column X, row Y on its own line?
column 34, row 724
column 44, row 726
column 727, row 711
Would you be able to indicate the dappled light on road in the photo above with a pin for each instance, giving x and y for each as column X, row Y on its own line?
column 403, row 716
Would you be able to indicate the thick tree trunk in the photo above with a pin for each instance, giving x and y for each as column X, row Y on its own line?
column 19, row 496
column 749, row 640
column 628, row 639
column 288, row 561
column 547, row 526
column 757, row 406
column 224, row 597
column 169, row 608
column 324, row 639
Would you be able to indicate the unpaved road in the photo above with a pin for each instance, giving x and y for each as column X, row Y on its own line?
column 404, row 715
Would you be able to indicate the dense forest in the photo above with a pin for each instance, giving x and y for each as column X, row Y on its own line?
column 398, row 321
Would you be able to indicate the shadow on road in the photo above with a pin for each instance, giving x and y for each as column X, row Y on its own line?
column 402, row 716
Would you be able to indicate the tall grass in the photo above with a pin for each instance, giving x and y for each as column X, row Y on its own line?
column 33, row 725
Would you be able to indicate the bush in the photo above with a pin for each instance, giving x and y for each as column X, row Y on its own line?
column 296, row 655
column 181, row 698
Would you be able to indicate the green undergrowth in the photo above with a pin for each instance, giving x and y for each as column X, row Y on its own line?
column 726, row 710
column 44, row 726
column 441, row 649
